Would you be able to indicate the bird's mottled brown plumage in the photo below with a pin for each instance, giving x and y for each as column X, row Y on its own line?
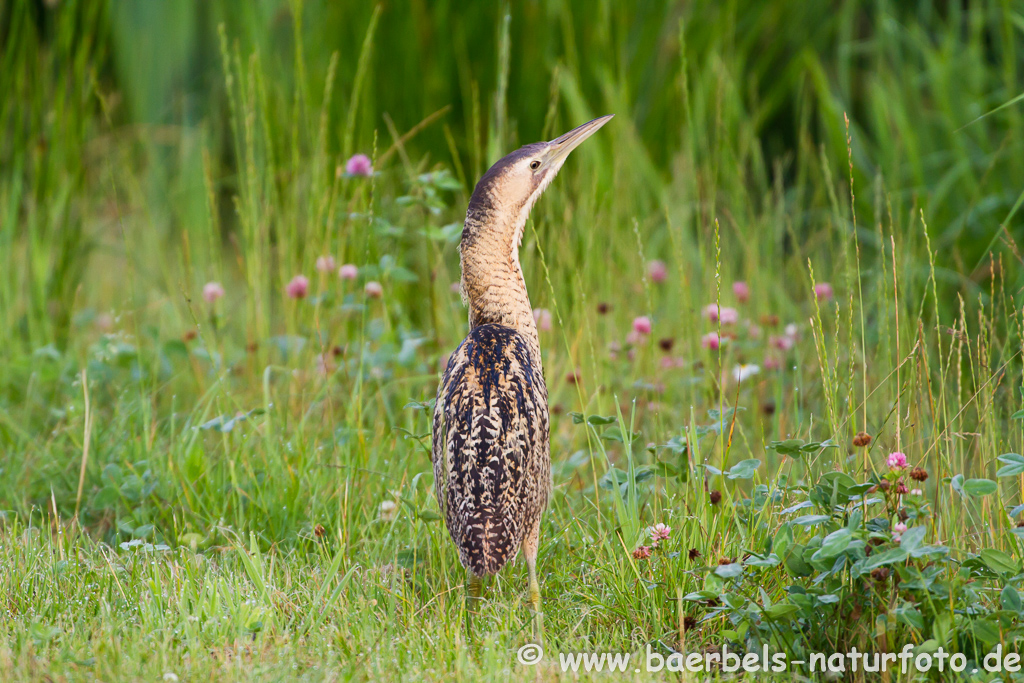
column 491, row 467
column 491, row 458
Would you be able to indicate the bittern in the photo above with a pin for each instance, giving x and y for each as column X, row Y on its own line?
column 492, row 467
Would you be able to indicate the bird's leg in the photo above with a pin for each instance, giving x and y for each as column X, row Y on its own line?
column 474, row 591
column 531, row 543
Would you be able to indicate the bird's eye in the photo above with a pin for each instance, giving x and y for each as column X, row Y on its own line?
column 534, row 164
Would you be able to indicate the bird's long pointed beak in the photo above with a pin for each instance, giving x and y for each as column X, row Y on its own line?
column 566, row 143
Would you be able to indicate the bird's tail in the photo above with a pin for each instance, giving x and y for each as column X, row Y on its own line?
column 489, row 540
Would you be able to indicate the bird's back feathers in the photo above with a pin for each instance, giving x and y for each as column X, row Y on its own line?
column 490, row 452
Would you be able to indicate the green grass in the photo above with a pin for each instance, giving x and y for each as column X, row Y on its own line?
column 243, row 490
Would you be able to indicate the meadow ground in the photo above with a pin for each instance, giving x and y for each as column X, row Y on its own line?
column 780, row 309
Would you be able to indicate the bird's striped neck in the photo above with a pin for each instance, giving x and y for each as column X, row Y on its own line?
column 492, row 280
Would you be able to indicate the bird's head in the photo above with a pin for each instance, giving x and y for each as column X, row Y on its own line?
column 505, row 194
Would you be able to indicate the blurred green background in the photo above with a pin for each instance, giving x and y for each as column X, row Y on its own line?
column 724, row 109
